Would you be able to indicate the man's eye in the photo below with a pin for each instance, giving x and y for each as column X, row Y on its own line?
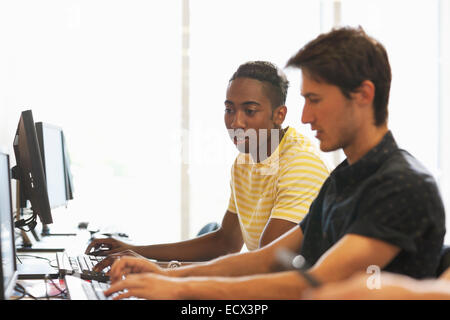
column 228, row 110
column 250, row 112
column 314, row 101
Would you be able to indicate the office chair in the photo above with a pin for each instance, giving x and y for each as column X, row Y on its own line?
column 209, row 227
column 444, row 262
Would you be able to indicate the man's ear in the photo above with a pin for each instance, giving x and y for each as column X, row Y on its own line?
column 278, row 115
column 365, row 93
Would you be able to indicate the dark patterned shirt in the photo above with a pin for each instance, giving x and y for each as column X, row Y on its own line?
column 387, row 195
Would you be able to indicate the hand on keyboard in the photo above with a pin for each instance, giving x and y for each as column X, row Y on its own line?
column 106, row 246
column 127, row 265
column 81, row 265
column 146, row 286
column 109, row 260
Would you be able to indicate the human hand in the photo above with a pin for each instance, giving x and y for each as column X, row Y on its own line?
column 106, row 246
column 127, row 265
column 109, row 260
column 145, row 286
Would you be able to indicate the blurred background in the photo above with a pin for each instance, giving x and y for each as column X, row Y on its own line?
column 138, row 87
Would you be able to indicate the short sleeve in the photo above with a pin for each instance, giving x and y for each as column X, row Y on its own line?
column 395, row 211
column 298, row 185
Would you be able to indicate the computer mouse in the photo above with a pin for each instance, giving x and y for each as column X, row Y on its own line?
column 83, row 225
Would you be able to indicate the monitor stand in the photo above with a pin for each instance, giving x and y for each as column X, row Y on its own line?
column 32, row 244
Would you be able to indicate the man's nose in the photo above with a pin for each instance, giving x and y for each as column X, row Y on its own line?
column 238, row 120
column 307, row 116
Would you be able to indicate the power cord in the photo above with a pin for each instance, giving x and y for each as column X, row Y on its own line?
column 38, row 257
column 33, row 256
column 21, row 289
column 62, row 293
column 30, row 222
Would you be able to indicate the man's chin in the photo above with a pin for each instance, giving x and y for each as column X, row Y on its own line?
column 327, row 148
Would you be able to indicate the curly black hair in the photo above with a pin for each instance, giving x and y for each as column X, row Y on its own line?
column 268, row 73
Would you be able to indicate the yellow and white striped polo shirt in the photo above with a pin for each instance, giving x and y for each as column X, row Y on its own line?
column 282, row 186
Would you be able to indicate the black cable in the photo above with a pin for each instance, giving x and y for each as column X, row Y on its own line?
column 61, row 291
column 29, row 222
column 33, row 256
column 24, row 291
column 19, row 288
column 53, row 266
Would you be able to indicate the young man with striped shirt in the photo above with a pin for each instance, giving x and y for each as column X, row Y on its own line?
column 271, row 189
column 274, row 179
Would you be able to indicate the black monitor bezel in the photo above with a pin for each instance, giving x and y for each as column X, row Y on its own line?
column 34, row 187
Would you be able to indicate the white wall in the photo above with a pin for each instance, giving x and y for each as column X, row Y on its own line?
column 109, row 72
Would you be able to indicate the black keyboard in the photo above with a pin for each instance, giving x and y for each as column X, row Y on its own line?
column 80, row 264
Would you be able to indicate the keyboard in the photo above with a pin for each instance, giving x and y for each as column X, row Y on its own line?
column 81, row 265
column 80, row 289
column 94, row 290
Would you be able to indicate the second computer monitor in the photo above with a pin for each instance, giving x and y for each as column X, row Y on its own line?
column 51, row 143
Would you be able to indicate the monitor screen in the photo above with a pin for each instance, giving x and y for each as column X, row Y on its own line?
column 29, row 170
column 8, row 268
column 52, row 151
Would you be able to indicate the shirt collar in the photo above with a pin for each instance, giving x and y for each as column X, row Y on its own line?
column 368, row 164
column 275, row 156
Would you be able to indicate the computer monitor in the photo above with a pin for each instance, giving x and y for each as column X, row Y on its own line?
column 56, row 162
column 8, row 267
column 29, row 171
column 50, row 140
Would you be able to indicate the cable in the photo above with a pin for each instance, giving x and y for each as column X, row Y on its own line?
column 24, row 291
column 19, row 288
column 55, row 266
column 30, row 222
column 33, row 256
column 61, row 292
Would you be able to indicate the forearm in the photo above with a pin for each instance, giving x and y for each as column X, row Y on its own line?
column 203, row 248
column 281, row 285
column 259, row 261
column 412, row 289
column 232, row 265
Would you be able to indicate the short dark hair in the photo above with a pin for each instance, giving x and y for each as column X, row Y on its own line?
column 268, row 73
column 345, row 57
